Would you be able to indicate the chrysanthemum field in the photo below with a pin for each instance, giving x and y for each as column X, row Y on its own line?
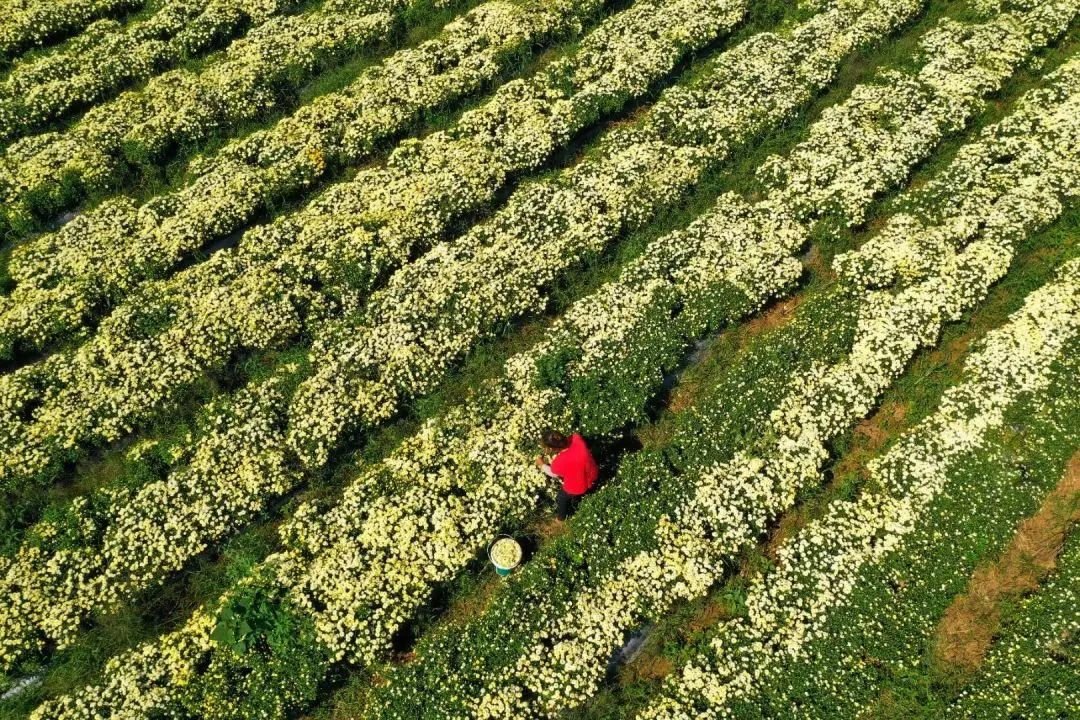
column 290, row 289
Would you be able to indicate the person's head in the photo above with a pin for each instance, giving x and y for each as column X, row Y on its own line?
column 554, row 440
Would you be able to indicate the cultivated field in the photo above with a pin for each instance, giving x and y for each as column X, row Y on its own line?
column 289, row 290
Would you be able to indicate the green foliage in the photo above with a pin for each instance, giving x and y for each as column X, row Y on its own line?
column 267, row 664
column 244, row 620
column 552, row 368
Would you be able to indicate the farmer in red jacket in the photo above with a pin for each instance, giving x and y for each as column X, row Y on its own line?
column 572, row 463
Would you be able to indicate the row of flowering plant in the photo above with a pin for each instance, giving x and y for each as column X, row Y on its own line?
column 879, row 640
column 47, row 173
column 359, row 580
column 895, row 122
column 472, row 460
column 109, row 546
column 121, row 519
column 63, row 278
column 732, row 502
column 109, row 55
column 820, row 567
column 438, row 307
column 170, row 333
column 32, row 23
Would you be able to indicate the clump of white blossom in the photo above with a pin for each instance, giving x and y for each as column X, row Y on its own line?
column 187, row 105
column 30, row 23
column 109, row 55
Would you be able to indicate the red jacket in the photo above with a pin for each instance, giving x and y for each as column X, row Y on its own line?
column 576, row 467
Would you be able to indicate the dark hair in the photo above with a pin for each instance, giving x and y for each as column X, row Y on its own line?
column 554, row 439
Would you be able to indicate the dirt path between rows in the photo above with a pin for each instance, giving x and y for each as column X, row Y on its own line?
column 971, row 622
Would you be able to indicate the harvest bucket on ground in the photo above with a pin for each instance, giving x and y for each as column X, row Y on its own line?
column 505, row 554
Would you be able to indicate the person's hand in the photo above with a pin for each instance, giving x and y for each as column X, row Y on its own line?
column 539, row 461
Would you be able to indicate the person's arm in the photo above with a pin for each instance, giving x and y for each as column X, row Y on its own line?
column 545, row 467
